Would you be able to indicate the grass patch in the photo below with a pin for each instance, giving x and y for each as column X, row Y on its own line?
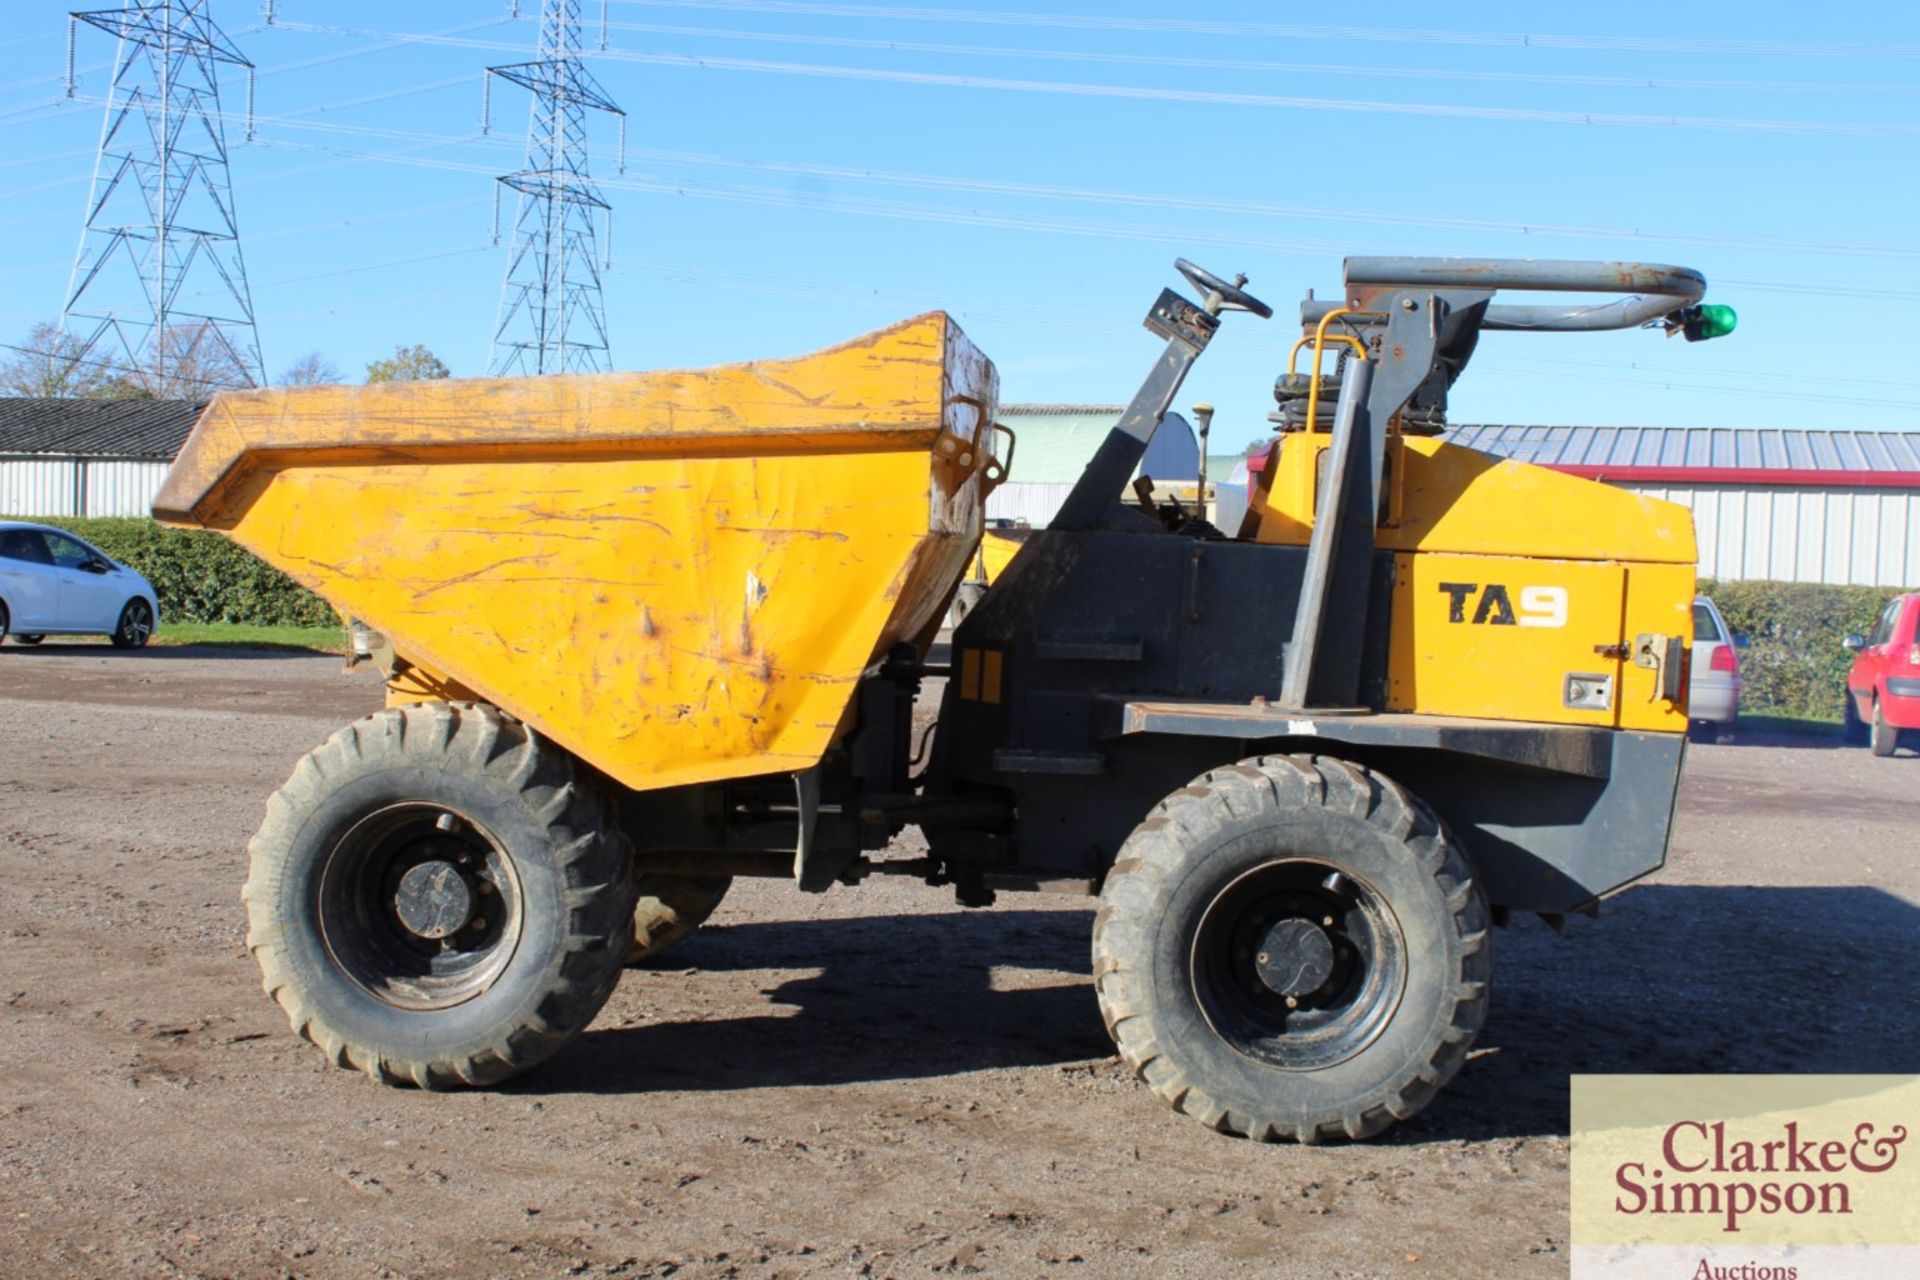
column 243, row 635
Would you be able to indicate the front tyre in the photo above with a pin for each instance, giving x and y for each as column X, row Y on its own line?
column 436, row 898
column 135, row 627
column 1293, row 947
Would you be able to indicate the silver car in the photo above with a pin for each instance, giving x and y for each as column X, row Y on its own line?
column 1713, row 688
column 52, row 583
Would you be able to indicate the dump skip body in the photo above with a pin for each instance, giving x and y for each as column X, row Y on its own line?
column 678, row 576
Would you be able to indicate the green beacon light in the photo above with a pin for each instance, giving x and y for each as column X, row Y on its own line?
column 1706, row 320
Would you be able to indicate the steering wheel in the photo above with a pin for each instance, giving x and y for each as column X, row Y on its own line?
column 1230, row 295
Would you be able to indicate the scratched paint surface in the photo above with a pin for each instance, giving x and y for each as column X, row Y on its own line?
column 1623, row 563
column 1459, row 500
column 690, row 597
column 902, row 383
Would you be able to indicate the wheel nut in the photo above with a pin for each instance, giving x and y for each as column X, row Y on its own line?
column 1327, row 923
column 1263, row 958
column 485, row 887
column 1293, row 1002
column 446, row 822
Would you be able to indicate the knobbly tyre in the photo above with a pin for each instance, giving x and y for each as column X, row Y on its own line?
column 646, row 632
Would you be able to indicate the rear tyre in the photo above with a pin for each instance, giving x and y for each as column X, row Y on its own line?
column 135, row 627
column 438, row 897
column 1853, row 728
column 1293, row 947
column 1884, row 738
column 671, row 907
column 1703, row 731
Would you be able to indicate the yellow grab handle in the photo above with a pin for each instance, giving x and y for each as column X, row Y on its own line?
column 1319, row 349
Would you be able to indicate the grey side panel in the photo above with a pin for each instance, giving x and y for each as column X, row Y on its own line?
column 1553, row 816
column 1557, row 748
column 1556, row 842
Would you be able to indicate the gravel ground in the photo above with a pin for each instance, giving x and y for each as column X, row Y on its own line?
column 868, row 1083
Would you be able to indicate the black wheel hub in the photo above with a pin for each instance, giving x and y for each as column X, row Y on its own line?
column 1296, row 957
column 420, row 906
column 1298, row 965
column 434, row 899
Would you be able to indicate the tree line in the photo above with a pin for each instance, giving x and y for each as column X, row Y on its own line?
column 54, row 364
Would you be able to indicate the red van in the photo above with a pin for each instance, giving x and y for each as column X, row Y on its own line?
column 1883, row 688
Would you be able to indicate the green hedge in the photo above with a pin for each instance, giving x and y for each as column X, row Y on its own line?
column 1797, row 664
column 203, row 577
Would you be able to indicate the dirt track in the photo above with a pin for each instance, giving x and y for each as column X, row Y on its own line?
column 868, row 1083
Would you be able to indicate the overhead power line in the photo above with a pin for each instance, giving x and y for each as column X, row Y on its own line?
column 1217, row 204
column 970, row 217
column 1222, row 97
column 1205, row 204
column 1293, row 31
column 1166, row 200
column 325, row 59
column 1217, row 97
column 1266, row 67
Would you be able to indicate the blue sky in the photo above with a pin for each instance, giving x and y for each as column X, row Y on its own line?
column 799, row 172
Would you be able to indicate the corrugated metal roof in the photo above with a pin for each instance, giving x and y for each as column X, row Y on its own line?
column 1055, row 440
column 1107, row 411
column 1697, row 448
column 150, row 430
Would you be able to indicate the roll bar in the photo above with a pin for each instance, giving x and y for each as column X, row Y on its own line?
column 1419, row 319
column 1653, row 290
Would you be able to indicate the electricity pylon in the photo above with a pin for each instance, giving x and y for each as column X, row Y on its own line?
column 159, row 286
column 552, row 318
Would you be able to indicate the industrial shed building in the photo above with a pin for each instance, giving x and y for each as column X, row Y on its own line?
column 1838, row 507
column 1053, row 444
column 87, row 457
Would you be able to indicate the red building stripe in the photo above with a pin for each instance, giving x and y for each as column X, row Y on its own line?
column 1775, row 476
column 1815, row 477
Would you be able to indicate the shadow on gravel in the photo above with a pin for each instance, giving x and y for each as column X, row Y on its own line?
column 1796, row 740
column 1671, row 978
column 1687, row 979
column 901, row 997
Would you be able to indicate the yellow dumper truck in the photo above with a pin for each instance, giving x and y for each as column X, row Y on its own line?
column 646, row 632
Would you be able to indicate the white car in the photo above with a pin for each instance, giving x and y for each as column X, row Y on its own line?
column 1713, row 687
column 53, row 583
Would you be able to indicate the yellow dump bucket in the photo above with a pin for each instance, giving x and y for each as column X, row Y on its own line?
column 678, row 576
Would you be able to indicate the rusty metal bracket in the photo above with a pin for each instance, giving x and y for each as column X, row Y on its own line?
column 1661, row 655
column 1173, row 316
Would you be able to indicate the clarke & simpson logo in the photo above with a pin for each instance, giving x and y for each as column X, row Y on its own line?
column 1745, row 1177
column 1703, row 1173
